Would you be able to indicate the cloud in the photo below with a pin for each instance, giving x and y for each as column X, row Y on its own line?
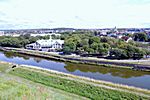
column 2, row 13
column 7, row 26
column 4, row 0
column 138, row 2
column 74, row 13
column 3, row 21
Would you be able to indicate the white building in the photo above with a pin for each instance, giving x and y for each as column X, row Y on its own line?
column 46, row 45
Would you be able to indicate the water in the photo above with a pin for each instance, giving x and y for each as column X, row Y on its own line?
column 116, row 75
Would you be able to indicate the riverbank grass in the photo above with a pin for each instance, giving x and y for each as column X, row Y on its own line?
column 91, row 91
column 17, row 88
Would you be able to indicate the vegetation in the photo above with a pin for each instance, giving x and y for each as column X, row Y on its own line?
column 17, row 88
column 80, row 88
column 87, row 43
column 19, row 42
column 140, row 37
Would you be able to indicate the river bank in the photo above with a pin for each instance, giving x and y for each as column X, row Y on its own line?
column 82, row 86
column 16, row 88
column 105, row 63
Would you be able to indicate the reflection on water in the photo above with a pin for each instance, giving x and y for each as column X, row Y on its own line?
column 13, row 55
column 119, row 72
column 117, row 75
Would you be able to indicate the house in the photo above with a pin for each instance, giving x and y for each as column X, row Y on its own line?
column 46, row 45
column 126, row 38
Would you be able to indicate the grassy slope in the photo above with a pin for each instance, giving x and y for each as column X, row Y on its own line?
column 73, row 86
column 16, row 88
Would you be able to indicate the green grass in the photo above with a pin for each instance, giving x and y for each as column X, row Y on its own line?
column 17, row 88
column 88, row 80
column 13, row 90
column 4, row 67
column 76, row 87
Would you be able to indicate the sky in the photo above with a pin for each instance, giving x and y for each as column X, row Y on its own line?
column 31, row 14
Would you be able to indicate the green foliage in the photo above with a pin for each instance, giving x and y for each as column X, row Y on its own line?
column 118, row 53
column 10, row 42
column 85, row 43
column 69, row 47
column 72, row 86
column 53, row 37
column 19, row 42
column 140, row 37
column 88, row 43
column 94, row 39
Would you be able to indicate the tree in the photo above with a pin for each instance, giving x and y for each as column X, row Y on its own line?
column 140, row 37
column 10, row 42
column 24, row 42
column 66, row 50
column 26, row 36
column 106, row 45
column 84, row 42
column 118, row 53
column 103, row 48
column 69, row 47
column 94, row 46
column 104, row 39
column 90, row 50
column 94, row 39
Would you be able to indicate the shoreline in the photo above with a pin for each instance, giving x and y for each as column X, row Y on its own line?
column 47, row 55
column 80, row 77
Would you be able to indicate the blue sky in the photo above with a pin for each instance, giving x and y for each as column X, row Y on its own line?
column 18, row 14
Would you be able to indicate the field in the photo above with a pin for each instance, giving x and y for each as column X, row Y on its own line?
column 31, row 83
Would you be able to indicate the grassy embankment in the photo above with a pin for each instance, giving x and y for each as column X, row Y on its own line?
column 90, row 89
column 34, row 83
column 17, row 88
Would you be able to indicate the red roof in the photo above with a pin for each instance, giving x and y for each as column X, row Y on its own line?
column 125, row 38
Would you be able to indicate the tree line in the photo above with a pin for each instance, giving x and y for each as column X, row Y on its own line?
column 19, row 42
column 87, row 43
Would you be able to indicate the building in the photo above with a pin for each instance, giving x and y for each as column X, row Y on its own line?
column 46, row 45
column 126, row 38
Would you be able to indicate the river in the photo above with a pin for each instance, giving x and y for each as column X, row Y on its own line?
column 117, row 75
